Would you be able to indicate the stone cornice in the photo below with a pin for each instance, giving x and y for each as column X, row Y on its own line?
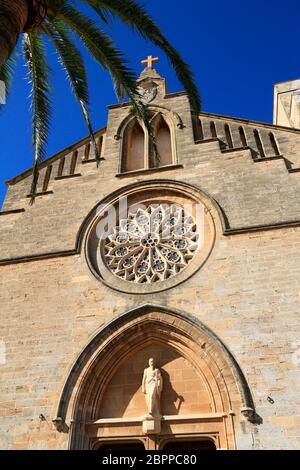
column 226, row 232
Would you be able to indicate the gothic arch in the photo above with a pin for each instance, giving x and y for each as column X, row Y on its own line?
column 133, row 148
column 166, row 112
column 133, row 137
column 165, row 140
column 126, row 336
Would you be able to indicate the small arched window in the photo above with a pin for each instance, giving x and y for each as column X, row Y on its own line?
column 162, row 134
column 138, row 151
column 134, row 147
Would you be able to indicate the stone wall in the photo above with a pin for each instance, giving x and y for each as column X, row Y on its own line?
column 247, row 292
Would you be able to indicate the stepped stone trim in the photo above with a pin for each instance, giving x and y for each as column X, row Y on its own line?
column 55, row 157
column 92, row 160
column 251, row 123
column 64, row 177
column 102, row 131
column 43, row 193
column 267, row 159
column 255, row 158
column 206, row 141
column 86, row 140
column 12, row 211
column 236, row 149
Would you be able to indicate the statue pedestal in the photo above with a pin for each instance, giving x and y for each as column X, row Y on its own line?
column 151, row 424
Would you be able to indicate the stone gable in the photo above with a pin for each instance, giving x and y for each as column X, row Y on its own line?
column 56, row 316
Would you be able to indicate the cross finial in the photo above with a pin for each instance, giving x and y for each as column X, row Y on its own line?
column 150, row 61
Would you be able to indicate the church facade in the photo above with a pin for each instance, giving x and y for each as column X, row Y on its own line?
column 153, row 302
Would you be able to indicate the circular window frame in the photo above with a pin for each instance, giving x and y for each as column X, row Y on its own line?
column 154, row 192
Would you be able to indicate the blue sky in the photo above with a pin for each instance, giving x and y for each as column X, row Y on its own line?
column 237, row 51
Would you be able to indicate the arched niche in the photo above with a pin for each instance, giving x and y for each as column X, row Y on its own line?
column 162, row 134
column 185, row 389
column 133, row 157
column 204, row 392
column 137, row 151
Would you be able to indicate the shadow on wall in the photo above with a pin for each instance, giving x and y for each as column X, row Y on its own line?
column 184, row 391
column 171, row 401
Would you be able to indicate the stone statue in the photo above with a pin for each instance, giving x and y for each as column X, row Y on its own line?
column 152, row 387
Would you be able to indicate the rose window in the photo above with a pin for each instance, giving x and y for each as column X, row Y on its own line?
column 152, row 244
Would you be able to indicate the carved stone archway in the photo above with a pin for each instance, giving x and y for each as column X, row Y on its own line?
column 102, row 401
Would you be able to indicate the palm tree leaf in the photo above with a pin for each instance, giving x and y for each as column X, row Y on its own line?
column 72, row 62
column 6, row 74
column 69, row 56
column 134, row 15
column 102, row 49
column 104, row 52
column 38, row 72
column 105, row 15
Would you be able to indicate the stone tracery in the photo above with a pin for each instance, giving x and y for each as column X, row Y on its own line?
column 152, row 244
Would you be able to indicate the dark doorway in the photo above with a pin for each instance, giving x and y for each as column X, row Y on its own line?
column 177, row 446
column 122, row 447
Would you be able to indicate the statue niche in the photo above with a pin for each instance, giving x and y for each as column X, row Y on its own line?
column 175, row 388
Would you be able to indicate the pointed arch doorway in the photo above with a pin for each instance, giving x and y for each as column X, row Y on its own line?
column 204, row 391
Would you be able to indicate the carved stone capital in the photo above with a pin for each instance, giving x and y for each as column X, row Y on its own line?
column 248, row 413
column 58, row 423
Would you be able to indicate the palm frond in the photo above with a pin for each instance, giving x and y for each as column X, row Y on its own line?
column 102, row 49
column 69, row 56
column 104, row 14
column 38, row 72
column 135, row 16
column 72, row 62
column 59, row 25
column 6, row 74
column 104, row 52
